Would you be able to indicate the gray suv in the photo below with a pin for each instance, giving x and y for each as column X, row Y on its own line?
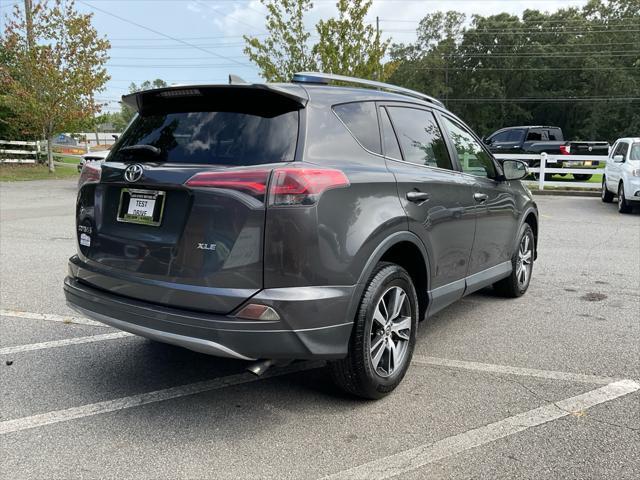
column 275, row 222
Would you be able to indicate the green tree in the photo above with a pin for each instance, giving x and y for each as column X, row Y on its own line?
column 126, row 112
column 286, row 48
column 348, row 45
column 53, row 73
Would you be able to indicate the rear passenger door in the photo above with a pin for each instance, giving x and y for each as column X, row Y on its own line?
column 437, row 199
column 496, row 211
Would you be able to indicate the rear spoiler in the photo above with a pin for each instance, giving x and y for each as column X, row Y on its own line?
column 262, row 99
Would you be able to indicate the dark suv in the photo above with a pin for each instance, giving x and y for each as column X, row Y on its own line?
column 293, row 221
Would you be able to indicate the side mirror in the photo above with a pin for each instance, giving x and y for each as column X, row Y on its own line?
column 514, row 169
column 618, row 158
column 486, row 141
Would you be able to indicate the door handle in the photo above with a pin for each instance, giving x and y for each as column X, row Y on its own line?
column 480, row 197
column 418, row 197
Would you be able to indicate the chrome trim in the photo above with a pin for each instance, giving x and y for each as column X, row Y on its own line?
column 196, row 344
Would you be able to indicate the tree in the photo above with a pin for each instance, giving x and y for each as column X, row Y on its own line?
column 286, row 49
column 348, row 45
column 51, row 78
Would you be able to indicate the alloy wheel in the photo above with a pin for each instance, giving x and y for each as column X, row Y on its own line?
column 390, row 332
column 524, row 262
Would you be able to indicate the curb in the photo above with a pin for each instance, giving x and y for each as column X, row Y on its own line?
column 566, row 193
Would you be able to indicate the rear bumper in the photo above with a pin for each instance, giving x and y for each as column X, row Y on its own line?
column 314, row 323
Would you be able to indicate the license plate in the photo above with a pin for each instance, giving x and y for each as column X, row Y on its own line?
column 144, row 207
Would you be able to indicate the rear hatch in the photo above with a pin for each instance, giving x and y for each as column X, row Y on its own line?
column 177, row 215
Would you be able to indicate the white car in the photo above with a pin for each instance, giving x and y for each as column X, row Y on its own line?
column 622, row 174
column 97, row 156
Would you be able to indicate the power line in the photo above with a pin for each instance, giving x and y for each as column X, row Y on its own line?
column 159, row 33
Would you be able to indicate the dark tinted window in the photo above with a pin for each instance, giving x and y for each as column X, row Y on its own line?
column 473, row 158
column 215, row 138
column 537, row 134
column 420, row 138
column 361, row 120
column 508, row 136
column 554, row 134
column 391, row 148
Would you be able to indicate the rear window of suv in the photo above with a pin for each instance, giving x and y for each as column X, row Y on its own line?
column 213, row 138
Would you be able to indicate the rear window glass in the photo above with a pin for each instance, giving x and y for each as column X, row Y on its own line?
column 214, row 138
column 362, row 121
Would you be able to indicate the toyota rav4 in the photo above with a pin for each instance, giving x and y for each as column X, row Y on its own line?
column 277, row 222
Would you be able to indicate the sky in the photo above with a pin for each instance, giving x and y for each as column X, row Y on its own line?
column 195, row 41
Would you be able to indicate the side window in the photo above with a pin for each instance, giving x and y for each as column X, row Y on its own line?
column 516, row 135
column 534, row 135
column 555, row 134
column 501, row 137
column 389, row 140
column 362, row 121
column 420, row 137
column 622, row 150
column 473, row 158
column 634, row 154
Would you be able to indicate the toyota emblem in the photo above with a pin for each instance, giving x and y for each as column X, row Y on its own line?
column 133, row 173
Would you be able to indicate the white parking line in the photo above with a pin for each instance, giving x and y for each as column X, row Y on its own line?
column 58, row 416
column 408, row 460
column 50, row 317
column 63, row 343
column 508, row 370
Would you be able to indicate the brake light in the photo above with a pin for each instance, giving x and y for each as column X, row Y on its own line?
column 303, row 186
column 565, row 149
column 91, row 173
column 252, row 182
column 289, row 186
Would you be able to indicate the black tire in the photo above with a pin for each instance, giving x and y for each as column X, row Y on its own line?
column 623, row 205
column 606, row 195
column 581, row 177
column 512, row 286
column 356, row 374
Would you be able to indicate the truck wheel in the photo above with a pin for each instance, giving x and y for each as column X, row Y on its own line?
column 383, row 336
column 623, row 205
column 581, row 177
column 517, row 283
column 606, row 195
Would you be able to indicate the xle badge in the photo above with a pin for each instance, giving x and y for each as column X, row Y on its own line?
column 206, row 246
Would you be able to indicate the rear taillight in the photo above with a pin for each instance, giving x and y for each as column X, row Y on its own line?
column 303, row 186
column 251, row 182
column 288, row 186
column 565, row 149
column 90, row 173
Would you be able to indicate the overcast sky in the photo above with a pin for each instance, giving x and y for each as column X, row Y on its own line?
column 217, row 27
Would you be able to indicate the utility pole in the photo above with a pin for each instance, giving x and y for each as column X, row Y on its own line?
column 29, row 22
column 379, row 72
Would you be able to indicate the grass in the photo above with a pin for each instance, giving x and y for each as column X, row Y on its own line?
column 66, row 159
column 17, row 172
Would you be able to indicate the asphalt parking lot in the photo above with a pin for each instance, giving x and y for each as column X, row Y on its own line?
column 545, row 386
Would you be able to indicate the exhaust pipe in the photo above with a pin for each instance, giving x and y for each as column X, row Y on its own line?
column 259, row 367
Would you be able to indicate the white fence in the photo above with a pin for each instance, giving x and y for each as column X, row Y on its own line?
column 14, row 151
column 550, row 164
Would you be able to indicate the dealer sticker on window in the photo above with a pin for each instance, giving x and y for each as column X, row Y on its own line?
column 85, row 240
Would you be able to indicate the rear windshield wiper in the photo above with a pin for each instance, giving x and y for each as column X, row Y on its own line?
column 141, row 149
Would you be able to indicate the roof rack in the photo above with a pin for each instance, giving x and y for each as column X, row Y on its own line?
column 325, row 78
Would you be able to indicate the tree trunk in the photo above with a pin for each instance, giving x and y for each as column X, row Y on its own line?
column 52, row 167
